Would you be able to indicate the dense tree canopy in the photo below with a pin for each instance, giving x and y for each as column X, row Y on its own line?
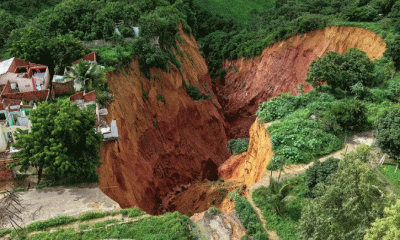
column 60, row 51
column 7, row 24
column 341, row 70
column 344, row 209
column 387, row 132
column 62, row 142
column 388, row 227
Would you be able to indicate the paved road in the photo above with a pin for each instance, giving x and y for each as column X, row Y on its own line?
column 46, row 203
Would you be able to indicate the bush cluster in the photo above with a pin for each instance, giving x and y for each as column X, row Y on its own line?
column 249, row 219
column 237, row 145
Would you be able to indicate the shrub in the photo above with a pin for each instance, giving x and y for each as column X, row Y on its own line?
column 308, row 22
column 43, row 225
column 92, row 215
column 319, row 173
column 237, row 145
column 214, row 211
column 195, row 93
column 249, row 217
column 160, row 98
column 346, row 115
column 132, row 212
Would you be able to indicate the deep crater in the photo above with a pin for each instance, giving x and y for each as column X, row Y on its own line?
column 169, row 145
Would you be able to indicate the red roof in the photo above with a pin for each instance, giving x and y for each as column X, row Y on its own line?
column 76, row 96
column 88, row 97
column 90, row 57
column 11, row 102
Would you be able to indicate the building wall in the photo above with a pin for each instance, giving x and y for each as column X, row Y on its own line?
column 24, row 84
column 28, row 96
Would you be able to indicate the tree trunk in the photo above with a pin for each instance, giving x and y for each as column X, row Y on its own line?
column 50, row 87
column 40, row 172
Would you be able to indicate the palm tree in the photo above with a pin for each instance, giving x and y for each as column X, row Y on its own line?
column 277, row 192
column 89, row 74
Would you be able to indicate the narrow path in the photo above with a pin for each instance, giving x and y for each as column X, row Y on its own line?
column 294, row 170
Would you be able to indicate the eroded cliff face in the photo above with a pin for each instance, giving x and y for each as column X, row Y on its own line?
column 249, row 167
column 168, row 148
column 283, row 66
column 164, row 144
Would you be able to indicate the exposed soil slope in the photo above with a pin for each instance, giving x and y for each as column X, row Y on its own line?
column 164, row 144
column 250, row 166
column 281, row 67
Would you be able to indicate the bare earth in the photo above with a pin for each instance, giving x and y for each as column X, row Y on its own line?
column 43, row 204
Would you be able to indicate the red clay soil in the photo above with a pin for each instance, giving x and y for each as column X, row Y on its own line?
column 200, row 196
column 164, row 144
column 168, row 145
column 249, row 167
column 281, row 67
column 5, row 174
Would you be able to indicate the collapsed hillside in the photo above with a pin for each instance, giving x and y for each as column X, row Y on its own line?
column 170, row 140
column 282, row 67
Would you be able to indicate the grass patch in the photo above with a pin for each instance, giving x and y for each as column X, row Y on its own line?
column 390, row 171
column 249, row 218
column 168, row 226
column 132, row 212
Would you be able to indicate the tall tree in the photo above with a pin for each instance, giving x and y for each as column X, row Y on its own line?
column 344, row 209
column 29, row 44
column 62, row 142
column 387, row 133
column 388, row 227
column 342, row 70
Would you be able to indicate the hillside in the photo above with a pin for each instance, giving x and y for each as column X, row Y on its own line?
column 238, row 10
column 211, row 100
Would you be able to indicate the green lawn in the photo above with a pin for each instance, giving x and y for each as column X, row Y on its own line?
column 238, row 10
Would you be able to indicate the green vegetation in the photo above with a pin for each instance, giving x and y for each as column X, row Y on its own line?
column 168, row 226
column 195, row 93
column 237, row 146
column 333, row 199
column 342, row 71
column 239, row 11
column 387, row 227
column 214, row 211
column 249, row 218
column 390, row 171
column 387, row 134
column 90, row 75
column 62, row 143
column 319, row 173
column 299, row 137
column 348, row 205
column 160, row 98
column 314, row 124
column 281, row 205
column 27, row 9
